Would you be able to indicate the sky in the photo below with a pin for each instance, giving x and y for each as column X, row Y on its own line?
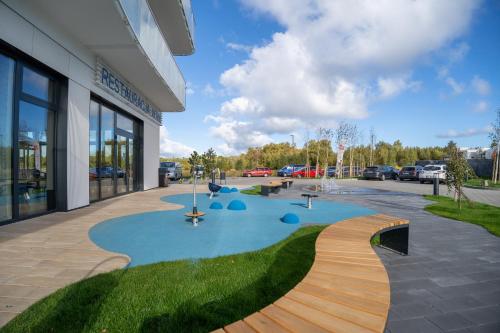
column 421, row 71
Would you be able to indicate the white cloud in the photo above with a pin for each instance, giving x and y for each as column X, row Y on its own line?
column 210, row 91
column 456, row 87
column 392, row 86
column 189, row 88
column 171, row 148
column 480, row 86
column 333, row 60
column 452, row 134
column 239, row 47
column 481, row 106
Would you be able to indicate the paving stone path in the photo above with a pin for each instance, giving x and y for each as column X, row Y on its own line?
column 450, row 282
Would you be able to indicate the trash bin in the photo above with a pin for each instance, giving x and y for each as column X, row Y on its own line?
column 222, row 177
column 162, row 177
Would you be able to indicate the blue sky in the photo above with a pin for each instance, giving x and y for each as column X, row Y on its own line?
column 264, row 71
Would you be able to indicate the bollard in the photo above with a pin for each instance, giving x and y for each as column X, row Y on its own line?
column 436, row 185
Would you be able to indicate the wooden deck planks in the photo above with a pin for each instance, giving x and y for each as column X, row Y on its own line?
column 346, row 290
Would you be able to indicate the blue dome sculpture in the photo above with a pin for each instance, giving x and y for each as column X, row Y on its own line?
column 234, row 189
column 237, row 205
column 290, row 218
column 225, row 189
column 216, row 205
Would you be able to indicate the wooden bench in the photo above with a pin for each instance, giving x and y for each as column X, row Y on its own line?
column 346, row 290
column 271, row 187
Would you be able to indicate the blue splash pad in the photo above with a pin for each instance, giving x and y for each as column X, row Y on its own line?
column 167, row 235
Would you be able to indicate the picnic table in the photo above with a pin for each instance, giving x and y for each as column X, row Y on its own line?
column 271, row 187
column 286, row 183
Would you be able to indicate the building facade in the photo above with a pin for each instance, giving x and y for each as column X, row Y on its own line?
column 83, row 85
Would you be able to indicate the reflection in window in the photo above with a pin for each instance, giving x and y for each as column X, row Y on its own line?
column 93, row 151
column 35, row 165
column 6, row 94
column 37, row 85
column 107, row 152
column 124, row 123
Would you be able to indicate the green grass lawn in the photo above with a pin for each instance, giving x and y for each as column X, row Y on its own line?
column 478, row 182
column 484, row 215
column 255, row 190
column 182, row 296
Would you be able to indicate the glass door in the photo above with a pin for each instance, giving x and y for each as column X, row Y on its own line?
column 107, row 158
column 113, row 160
column 35, row 160
column 122, row 165
column 131, row 166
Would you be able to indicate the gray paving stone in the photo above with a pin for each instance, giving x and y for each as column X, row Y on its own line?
column 413, row 326
column 458, row 303
column 451, row 281
column 413, row 295
column 488, row 328
column 489, row 298
column 450, row 321
column 482, row 316
column 451, row 269
column 415, row 310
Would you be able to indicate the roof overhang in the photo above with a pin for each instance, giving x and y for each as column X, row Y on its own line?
column 176, row 21
column 102, row 27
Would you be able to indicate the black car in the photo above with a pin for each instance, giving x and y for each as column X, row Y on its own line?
column 410, row 172
column 380, row 172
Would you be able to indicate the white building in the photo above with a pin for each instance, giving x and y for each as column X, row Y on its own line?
column 476, row 153
column 83, row 85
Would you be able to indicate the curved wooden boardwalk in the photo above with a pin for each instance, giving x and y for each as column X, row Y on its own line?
column 346, row 290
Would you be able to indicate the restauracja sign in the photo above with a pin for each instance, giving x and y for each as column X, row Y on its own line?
column 117, row 86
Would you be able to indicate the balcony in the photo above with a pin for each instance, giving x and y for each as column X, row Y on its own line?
column 125, row 35
column 176, row 21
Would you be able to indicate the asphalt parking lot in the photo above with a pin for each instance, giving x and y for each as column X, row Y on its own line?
column 491, row 197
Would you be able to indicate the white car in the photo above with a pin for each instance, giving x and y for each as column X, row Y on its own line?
column 432, row 171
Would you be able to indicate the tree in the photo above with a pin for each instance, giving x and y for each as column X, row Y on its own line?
column 194, row 160
column 495, row 138
column 209, row 161
column 457, row 172
column 341, row 137
column 319, row 135
column 373, row 138
column 352, row 141
column 327, row 138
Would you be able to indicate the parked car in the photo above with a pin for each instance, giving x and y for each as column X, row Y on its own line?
column 105, row 172
column 431, row 171
column 410, row 172
column 258, row 172
column 380, row 172
column 173, row 170
column 312, row 173
column 287, row 170
column 331, row 171
column 356, row 171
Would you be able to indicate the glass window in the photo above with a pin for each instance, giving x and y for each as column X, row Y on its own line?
column 37, row 85
column 124, row 123
column 106, row 169
column 112, row 154
column 36, row 160
column 93, row 151
column 6, row 96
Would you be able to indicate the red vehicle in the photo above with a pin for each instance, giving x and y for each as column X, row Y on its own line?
column 258, row 172
column 312, row 173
